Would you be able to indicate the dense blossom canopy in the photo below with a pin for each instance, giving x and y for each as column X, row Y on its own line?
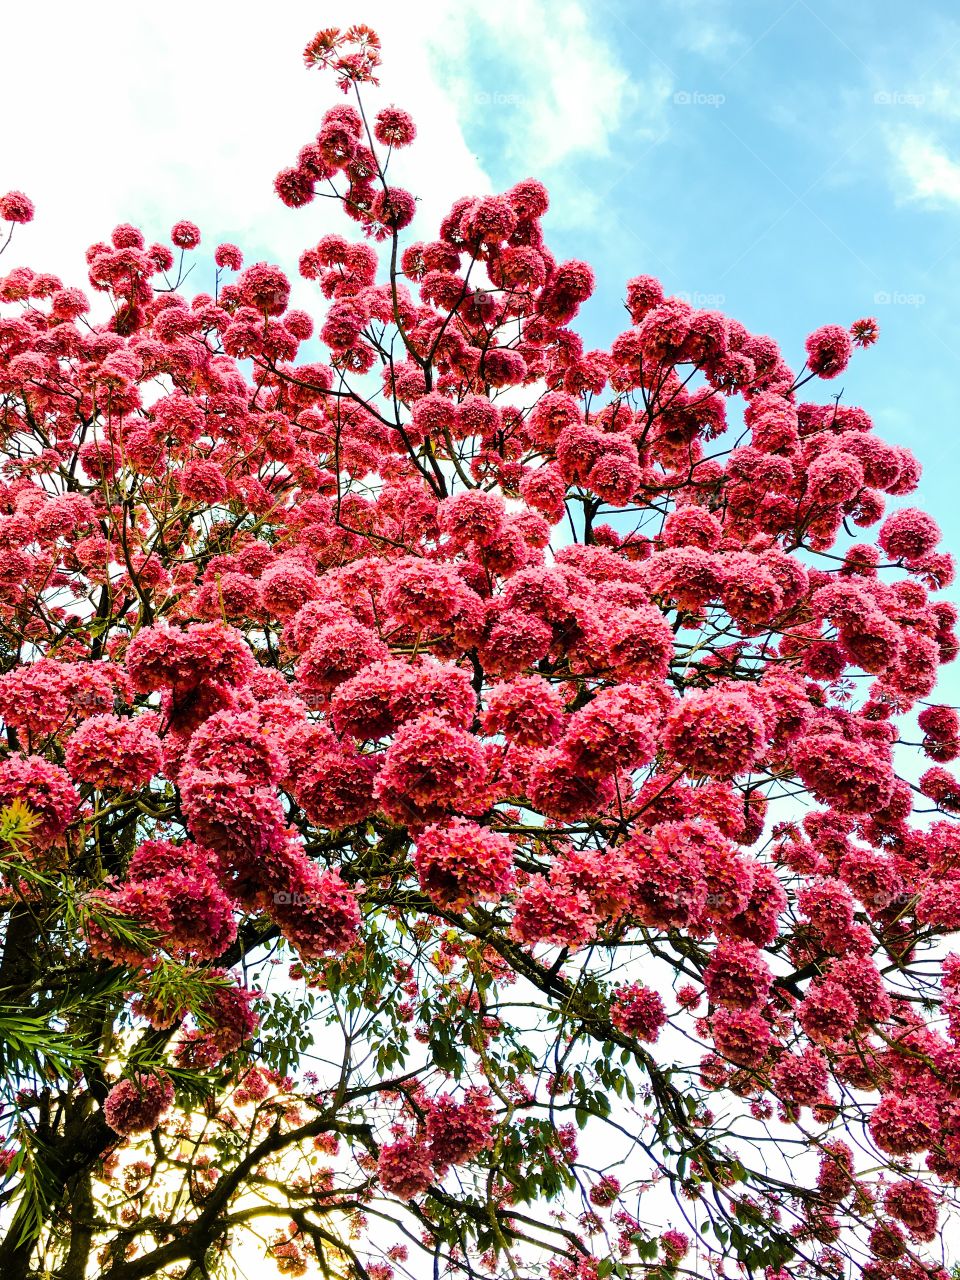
column 545, row 710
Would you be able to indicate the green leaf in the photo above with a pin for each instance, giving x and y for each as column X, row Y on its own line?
column 29, row 1045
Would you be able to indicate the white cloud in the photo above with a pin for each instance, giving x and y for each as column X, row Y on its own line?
column 706, row 27
column 941, row 99
column 555, row 99
column 559, row 88
column 571, row 91
column 924, row 170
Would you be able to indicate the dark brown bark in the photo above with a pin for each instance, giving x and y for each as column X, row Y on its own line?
column 81, row 1213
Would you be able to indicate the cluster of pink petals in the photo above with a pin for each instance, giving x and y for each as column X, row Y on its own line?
column 453, row 1133
column 639, row 1011
column 107, row 751
column 459, row 863
column 137, row 1104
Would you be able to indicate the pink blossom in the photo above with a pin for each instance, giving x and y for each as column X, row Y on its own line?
column 718, row 733
column 801, row 1077
column 394, row 128
column 16, row 207
column 526, row 710
column 737, row 976
column 229, row 256
column 185, row 235
column 741, row 1035
column 460, row 862
column 47, row 792
column 827, row 1013
column 431, row 768
column 457, row 1132
column 908, row 534
column 638, row 1011
column 553, row 912
column 139, row 1103
column 669, row 886
column 111, row 752
column 336, row 652
column 405, row 1167
column 828, row 350
column 902, row 1125
column 914, row 1205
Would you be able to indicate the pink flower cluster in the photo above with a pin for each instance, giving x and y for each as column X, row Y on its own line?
column 639, row 1011
column 137, row 1104
column 454, row 1133
column 459, row 863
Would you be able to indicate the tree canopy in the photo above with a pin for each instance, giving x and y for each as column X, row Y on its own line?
column 469, row 804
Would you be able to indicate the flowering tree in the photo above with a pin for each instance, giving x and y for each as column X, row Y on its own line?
column 415, row 756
